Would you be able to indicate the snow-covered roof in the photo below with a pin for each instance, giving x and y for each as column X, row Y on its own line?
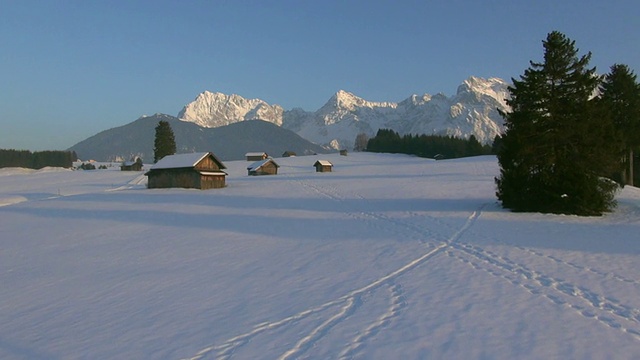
column 258, row 164
column 323, row 163
column 181, row 161
column 255, row 154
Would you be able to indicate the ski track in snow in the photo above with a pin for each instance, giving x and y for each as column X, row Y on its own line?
column 583, row 301
column 396, row 305
column 8, row 200
column 136, row 182
column 609, row 275
column 349, row 303
column 418, row 233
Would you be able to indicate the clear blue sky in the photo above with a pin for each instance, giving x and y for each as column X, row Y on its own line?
column 72, row 68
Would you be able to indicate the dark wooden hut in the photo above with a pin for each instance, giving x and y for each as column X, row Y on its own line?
column 263, row 167
column 133, row 165
column 196, row 170
column 323, row 166
column 256, row 156
column 288, row 154
column 343, row 152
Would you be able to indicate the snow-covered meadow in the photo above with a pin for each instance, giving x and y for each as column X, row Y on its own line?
column 387, row 257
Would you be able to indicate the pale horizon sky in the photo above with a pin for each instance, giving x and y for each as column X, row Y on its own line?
column 70, row 69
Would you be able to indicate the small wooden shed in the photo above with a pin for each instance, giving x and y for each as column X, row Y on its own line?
column 288, row 154
column 256, row 156
column 192, row 171
column 343, row 152
column 323, row 166
column 263, row 167
column 133, row 165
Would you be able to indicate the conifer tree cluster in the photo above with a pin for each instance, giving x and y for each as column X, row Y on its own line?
column 389, row 141
column 37, row 159
column 620, row 96
column 165, row 142
column 560, row 141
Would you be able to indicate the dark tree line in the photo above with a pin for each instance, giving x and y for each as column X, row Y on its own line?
column 431, row 146
column 561, row 143
column 36, row 160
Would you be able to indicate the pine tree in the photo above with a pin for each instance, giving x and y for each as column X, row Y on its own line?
column 165, row 142
column 620, row 95
column 557, row 144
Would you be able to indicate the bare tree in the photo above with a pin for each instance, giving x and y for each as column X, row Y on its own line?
column 361, row 142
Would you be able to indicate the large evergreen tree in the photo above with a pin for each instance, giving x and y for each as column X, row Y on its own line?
column 620, row 95
column 165, row 142
column 557, row 143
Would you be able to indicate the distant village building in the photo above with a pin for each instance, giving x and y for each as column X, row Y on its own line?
column 256, row 156
column 263, row 167
column 133, row 165
column 196, row 170
column 323, row 166
column 288, row 154
column 343, row 152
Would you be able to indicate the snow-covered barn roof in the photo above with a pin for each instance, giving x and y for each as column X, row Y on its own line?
column 255, row 154
column 323, row 163
column 258, row 164
column 183, row 161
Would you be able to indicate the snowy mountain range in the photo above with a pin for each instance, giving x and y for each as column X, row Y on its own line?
column 472, row 111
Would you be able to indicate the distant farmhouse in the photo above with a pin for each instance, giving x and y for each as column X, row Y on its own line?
column 323, row 166
column 196, row 170
column 263, row 167
column 288, row 154
column 133, row 165
column 256, row 156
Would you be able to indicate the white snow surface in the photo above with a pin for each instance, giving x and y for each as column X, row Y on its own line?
column 386, row 257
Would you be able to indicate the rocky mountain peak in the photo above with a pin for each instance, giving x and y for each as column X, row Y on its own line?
column 472, row 111
column 217, row 109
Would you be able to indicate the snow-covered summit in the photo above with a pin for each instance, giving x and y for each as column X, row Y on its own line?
column 218, row 109
column 345, row 100
column 493, row 88
column 472, row 111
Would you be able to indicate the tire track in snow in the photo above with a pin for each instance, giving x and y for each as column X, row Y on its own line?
column 585, row 302
column 349, row 303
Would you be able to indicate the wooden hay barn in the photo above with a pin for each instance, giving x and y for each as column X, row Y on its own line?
column 288, row 154
column 133, row 165
column 263, row 167
column 256, row 156
column 192, row 171
column 343, row 152
column 323, row 166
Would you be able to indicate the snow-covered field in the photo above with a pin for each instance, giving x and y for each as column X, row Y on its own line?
column 387, row 257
